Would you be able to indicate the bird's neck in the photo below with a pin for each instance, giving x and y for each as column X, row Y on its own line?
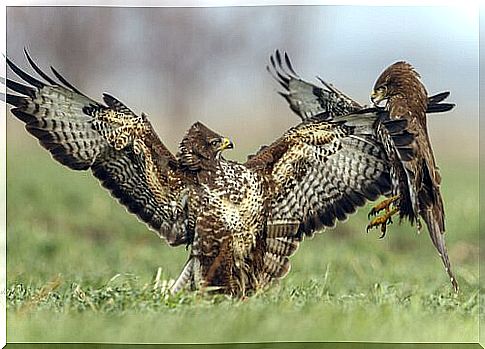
column 208, row 170
column 413, row 94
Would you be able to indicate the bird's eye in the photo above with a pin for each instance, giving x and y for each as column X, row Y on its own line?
column 215, row 142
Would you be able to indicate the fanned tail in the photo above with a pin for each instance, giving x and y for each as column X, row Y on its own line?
column 281, row 243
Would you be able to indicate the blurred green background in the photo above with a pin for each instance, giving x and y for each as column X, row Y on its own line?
column 80, row 269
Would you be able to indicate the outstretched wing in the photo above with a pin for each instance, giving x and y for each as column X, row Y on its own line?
column 306, row 99
column 121, row 149
column 323, row 170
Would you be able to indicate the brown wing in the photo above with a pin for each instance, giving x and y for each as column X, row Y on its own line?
column 321, row 172
column 409, row 100
column 121, row 148
column 308, row 100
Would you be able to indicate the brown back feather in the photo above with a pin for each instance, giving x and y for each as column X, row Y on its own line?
column 408, row 99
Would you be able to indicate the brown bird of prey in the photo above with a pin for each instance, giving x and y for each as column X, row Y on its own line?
column 308, row 100
column 419, row 178
column 240, row 222
column 415, row 178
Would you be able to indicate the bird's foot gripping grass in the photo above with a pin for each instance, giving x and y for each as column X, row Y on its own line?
column 384, row 219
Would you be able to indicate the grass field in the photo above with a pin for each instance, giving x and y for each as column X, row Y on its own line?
column 82, row 270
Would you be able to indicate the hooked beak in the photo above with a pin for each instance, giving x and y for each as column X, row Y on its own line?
column 377, row 97
column 226, row 144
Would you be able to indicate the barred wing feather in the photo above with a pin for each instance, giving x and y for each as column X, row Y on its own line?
column 306, row 99
column 120, row 147
column 324, row 170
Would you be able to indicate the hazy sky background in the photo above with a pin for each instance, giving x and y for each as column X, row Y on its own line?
column 180, row 65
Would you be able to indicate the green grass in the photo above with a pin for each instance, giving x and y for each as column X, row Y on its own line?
column 81, row 269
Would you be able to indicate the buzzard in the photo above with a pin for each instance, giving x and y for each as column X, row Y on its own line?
column 308, row 100
column 240, row 222
column 414, row 174
column 419, row 178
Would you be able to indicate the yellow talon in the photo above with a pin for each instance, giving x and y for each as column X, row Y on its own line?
column 383, row 205
column 383, row 221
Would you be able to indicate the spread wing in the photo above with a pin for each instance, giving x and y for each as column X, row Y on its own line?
column 308, row 100
column 121, row 148
column 323, row 170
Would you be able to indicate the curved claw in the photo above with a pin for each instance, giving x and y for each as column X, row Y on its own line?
column 383, row 205
column 374, row 224
column 382, row 221
column 372, row 213
column 383, row 231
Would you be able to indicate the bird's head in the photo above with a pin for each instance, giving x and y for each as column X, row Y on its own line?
column 201, row 146
column 392, row 81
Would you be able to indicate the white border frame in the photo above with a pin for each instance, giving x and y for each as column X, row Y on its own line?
column 472, row 5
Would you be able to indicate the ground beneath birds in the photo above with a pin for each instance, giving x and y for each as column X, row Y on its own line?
column 80, row 269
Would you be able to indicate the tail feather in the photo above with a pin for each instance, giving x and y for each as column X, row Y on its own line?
column 281, row 242
column 276, row 266
column 435, row 224
column 278, row 229
column 431, row 209
column 281, row 246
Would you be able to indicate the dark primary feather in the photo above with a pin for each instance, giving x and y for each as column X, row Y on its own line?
column 420, row 178
column 439, row 107
column 305, row 99
column 23, row 89
column 65, row 82
column 24, row 76
column 316, row 174
column 112, row 102
column 311, row 103
column 308, row 100
column 437, row 98
column 38, row 70
column 324, row 170
column 84, row 134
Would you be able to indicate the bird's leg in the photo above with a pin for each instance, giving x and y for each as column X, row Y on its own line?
column 218, row 261
column 383, row 205
column 212, row 270
column 386, row 218
column 383, row 221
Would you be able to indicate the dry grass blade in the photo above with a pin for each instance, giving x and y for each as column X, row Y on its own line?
column 41, row 295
